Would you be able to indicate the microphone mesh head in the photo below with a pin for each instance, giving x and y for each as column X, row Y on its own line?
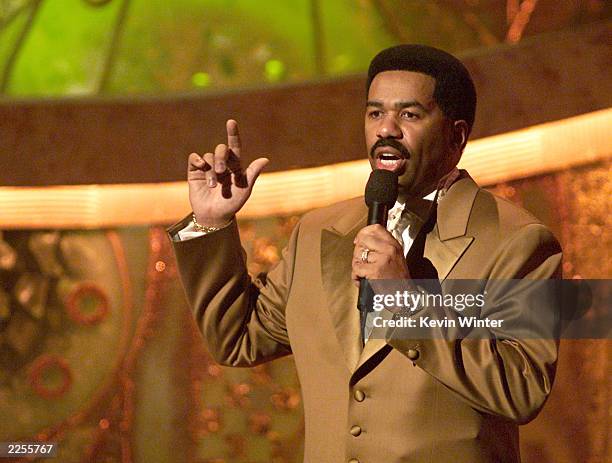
column 381, row 188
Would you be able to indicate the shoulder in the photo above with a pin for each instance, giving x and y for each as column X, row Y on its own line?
column 508, row 224
column 468, row 209
column 466, row 203
column 504, row 213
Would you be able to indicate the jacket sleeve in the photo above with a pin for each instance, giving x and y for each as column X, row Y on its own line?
column 510, row 374
column 242, row 320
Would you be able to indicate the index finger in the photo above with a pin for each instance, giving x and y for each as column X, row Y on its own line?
column 233, row 137
column 376, row 233
column 376, row 230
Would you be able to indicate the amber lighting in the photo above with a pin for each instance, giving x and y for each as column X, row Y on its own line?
column 536, row 150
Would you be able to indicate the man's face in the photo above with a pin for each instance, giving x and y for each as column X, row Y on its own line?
column 407, row 132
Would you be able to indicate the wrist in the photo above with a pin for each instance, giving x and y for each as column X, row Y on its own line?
column 209, row 225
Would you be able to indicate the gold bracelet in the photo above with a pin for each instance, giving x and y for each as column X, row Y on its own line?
column 202, row 228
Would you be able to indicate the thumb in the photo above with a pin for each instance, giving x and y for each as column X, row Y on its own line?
column 255, row 169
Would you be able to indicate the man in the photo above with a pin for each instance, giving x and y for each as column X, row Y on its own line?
column 395, row 399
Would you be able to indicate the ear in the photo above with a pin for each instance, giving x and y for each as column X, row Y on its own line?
column 460, row 131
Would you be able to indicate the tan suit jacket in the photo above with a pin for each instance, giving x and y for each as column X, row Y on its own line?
column 395, row 400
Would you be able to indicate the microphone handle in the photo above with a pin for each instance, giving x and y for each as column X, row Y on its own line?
column 378, row 213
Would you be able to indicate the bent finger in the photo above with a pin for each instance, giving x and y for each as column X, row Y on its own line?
column 195, row 162
column 359, row 253
column 220, row 158
column 360, row 270
column 378, row 232
column 211, row 176
column 378, row 243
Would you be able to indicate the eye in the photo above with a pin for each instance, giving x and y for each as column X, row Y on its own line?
column 408, row 115
column 374, row 114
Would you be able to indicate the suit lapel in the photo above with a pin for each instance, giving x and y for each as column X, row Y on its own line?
column 445, row 254
column 336, row 267
column 449, row 240
column 376, row 341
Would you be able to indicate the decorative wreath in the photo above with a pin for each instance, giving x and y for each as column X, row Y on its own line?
column 44, row 364
column 76, row 297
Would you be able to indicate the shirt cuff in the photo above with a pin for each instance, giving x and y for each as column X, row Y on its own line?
column 190, row 232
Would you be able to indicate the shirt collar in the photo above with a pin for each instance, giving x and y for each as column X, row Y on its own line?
column 443, row 185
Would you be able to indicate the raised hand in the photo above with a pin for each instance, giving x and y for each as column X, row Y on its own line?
column 218, row 185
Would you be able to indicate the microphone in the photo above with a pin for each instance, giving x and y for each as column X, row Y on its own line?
column 380, row 196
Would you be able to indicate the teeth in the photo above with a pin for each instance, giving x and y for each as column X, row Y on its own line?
column 388, row 162
column 388, row 156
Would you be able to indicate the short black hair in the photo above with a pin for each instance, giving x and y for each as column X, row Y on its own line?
column 454, row 93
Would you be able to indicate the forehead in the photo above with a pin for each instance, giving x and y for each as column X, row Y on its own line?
column 402, row 85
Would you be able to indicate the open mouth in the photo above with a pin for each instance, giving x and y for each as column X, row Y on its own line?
column 389, row 160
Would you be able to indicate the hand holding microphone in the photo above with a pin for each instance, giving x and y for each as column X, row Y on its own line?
column 377, row 254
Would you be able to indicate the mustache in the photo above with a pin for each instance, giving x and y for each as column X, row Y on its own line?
column 393, row 144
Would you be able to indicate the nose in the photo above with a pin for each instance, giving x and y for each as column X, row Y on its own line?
column 389, row 128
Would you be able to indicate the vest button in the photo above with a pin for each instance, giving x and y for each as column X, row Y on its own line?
column 359, row 395
column 355, row 431
column 413, row 354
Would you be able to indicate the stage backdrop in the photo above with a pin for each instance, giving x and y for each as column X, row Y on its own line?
column 98, row 350
column 100, row 354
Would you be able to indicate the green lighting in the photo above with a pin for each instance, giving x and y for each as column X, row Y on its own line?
column 340, row 63
column 275, row 70
column 201, row 79
column 165, row 47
